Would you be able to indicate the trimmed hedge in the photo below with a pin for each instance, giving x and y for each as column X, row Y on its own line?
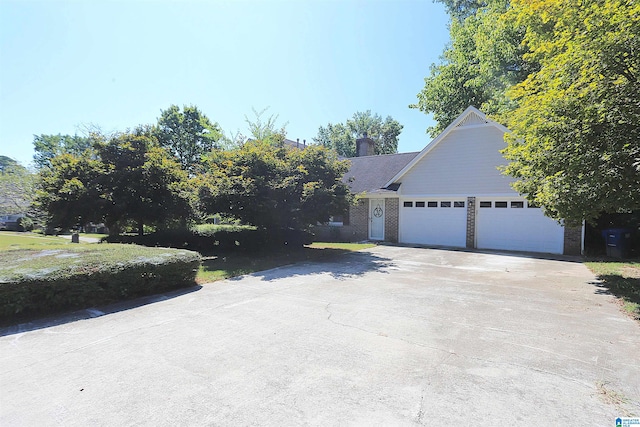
column 220, row 239
column 41, row 282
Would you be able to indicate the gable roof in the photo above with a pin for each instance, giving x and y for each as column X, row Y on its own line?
column 294, row 144
column 371, row 173
column 471, row 117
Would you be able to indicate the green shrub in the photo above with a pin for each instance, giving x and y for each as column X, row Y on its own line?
column 220, row 239
column 25, row 224
column 211, row 229
column 41, row 282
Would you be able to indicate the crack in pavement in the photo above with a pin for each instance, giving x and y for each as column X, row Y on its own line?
column 452, row 353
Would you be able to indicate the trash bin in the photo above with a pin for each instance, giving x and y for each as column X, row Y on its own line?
column 618, row 241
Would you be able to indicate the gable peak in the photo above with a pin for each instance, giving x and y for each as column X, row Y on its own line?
column 473, row 117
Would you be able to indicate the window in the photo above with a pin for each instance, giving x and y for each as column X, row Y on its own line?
column 532, row 205
column 445, row 204
column 408, row 204
column 458, row 204
column 485, row 204
column 432, row 204
column 501, row 204
column 419, row 204
column 517, row 205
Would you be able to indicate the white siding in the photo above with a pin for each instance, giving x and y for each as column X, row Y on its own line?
column 465, row 162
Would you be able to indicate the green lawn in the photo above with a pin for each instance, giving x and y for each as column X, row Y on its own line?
column 213, row 268
column 622, row 279
column 14, row 240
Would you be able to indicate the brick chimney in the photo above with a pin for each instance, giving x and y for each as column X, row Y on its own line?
column 364, row 146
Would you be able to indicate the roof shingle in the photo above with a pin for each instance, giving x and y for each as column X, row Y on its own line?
column 370, row 173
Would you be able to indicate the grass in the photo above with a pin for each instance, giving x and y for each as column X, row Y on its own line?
column 212, row 268
column 237, row 264
column 622, row 279
column 10, row 240
column 62, row 277
column 60, row 259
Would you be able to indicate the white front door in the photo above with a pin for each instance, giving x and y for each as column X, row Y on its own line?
column 376, row 219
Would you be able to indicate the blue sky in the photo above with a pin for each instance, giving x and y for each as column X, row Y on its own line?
column 117, row 64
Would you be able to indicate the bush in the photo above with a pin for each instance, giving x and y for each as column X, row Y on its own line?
column 211, row 238
column 37, row 282
column 25, row 224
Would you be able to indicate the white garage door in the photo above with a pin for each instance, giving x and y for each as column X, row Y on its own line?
column 513, row 225
column 441, row 222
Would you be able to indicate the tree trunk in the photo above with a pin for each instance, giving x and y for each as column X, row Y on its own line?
column 140, row 227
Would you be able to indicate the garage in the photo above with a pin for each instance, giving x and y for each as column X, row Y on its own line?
column 438, row 222
column 514, row 225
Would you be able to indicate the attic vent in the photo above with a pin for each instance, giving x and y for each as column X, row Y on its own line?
column 472, row 119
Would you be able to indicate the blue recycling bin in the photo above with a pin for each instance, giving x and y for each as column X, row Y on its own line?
column 618, row 241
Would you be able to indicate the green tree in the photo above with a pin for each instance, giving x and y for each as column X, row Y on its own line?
column 342, row 137
column 266, row 130
column 188, row 135
column 461, row 9
column 70, row 191
column 7, row 163
column 130, row 179
column 576, row 143
column 275, row 188
column 484, row 58
column 143, row 183
column 16, row 186
column 47, row 147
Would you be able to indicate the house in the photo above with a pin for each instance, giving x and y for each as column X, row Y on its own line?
column 451, row 194
column 10, row 222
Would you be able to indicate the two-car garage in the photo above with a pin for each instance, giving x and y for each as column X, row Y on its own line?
column 496, row 223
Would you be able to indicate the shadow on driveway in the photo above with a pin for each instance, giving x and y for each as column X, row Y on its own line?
column 339, row 264
column 346, row 265
column 89, row 313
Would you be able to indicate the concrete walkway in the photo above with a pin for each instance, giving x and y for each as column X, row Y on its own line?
column 388, row 336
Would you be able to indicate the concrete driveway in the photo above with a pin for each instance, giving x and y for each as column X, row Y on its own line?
column 388, row 336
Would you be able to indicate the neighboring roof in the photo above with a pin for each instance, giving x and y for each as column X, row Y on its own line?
column 294, row 144
column 371, row 173
column 471, row 117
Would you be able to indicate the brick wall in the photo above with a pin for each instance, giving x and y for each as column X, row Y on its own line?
column 572, row 240
column 471, row 222
column 356, row 231
column 392, row 207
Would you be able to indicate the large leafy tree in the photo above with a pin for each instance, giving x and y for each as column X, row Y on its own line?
column 342, row 137
column 188, row 134
column 266, row 129
column 274, row 188
column 130, row 179
column 483, row 59
column 461, row 9
column 576, row 143
column 16, row 186
column 7, row 163
column 144, row 183
column 47, row 147
column 70, row 191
